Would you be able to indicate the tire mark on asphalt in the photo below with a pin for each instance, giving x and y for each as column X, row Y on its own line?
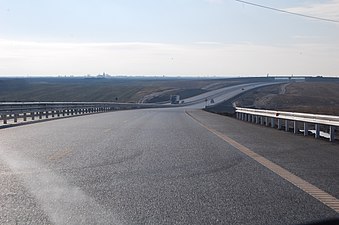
column 305, row 186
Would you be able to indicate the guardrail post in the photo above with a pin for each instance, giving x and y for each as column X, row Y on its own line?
column 279, row 124
column 25, row 117
column 46, row 114
column 317, row 131
column 261, row 120
column 286, row 125
column 332, row 133
column 266, row 121
column 52, row 113
column 32, row 115
column 15, row 118
column 295, row 127
column 40, row 115
column 58, row 113
column 4, row 119
column 305, row 129
column 272, row 122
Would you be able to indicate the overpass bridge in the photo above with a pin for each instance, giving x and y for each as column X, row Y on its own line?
column 168, row 165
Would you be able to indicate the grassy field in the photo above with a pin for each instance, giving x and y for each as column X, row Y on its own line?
column 108, row 89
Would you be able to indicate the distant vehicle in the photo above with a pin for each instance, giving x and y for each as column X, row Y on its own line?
column 175, row 99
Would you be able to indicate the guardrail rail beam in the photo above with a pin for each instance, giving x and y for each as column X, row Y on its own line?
column 308, row 121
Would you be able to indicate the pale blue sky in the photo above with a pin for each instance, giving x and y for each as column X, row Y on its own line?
column 167, row 37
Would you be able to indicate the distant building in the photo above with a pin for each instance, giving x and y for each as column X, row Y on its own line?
column 104, row 75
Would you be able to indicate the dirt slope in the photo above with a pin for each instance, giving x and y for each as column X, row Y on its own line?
column 309, row 97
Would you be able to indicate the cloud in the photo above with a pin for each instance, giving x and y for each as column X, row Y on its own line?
column 326, row 9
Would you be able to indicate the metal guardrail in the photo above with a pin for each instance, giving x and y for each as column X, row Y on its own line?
column 12, row 112
column 282, row 119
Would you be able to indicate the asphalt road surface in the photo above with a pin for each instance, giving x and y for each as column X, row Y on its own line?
column 159, row 166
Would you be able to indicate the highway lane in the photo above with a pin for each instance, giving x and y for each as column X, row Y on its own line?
column 155, row 166
column 222, row 94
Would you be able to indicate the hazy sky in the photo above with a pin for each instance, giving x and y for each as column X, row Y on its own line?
column 167, row 37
